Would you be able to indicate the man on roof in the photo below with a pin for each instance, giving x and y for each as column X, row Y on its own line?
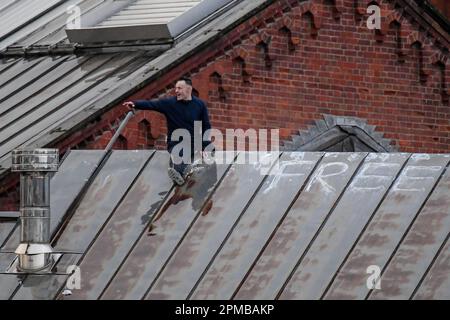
column 182, row 112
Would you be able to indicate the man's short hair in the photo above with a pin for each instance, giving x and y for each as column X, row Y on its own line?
column 187, row 80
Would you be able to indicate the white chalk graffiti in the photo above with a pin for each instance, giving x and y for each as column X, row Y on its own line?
column 280, row 171
column 414, row 175
column 320, row 175
column 373, row 175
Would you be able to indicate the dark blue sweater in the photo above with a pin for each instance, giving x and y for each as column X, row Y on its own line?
column 179, row 115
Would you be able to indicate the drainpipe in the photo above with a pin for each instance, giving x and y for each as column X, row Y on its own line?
column 35, row 167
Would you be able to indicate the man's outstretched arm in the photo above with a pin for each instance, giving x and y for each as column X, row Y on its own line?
column 159, row 105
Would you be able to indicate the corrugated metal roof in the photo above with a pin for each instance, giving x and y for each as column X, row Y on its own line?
column 307, row 230
column 37, row 94
column 17, row 13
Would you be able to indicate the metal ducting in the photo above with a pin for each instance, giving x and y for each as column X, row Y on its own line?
column 35, row 167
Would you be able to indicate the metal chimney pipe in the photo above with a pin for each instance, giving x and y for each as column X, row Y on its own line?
column 35, row 166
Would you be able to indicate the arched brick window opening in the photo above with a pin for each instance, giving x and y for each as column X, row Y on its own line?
column 121, row 143
column 145, row 139
column 395, row 27
column 418, row 53
column 310, row 24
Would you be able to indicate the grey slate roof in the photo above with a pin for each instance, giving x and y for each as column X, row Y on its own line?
column 309, row 229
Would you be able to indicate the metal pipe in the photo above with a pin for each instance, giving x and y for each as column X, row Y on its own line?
column 35, row 167
column 119, row 130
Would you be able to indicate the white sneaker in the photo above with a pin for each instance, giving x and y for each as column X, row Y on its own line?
column 175, row 176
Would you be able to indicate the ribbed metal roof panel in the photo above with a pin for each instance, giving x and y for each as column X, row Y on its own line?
column 308, row 229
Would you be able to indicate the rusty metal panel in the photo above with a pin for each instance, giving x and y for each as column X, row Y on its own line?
column 123, row 230
column 302, row 222
column 436, row 284
column 166, row 231
column 208, row 232
column 46, row 286
column 420, row 246
column 76, row 168
column 256, row 226
column 101, row 198
column 388, row 225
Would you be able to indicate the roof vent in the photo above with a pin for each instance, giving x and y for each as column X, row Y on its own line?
column 35, row 167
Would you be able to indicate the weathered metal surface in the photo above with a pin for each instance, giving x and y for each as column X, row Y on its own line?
column 8, row 283
column 20, row 12
column 76, row 168
column 54, row 101
column 46, row 286
column 101, row 198
column 6, row 227
column 35, row 93
column 95, row 85
column 123, row 230
column 256, row 226
column 436, row 284
column 27, row 78
column 23, row 65
column 207, row 233
column 388, row 225
column 329, row 249
column 420, row 246
column 6, row 257
column 298, row 229
column 309, row 231
column 166, row 231
column 51, row 29
column 6, row 63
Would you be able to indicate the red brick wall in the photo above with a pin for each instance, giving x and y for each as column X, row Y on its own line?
column 332, row 63
column 295, row 61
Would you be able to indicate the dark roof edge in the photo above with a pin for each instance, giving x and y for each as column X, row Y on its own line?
column 435, row 14
column 428, row 18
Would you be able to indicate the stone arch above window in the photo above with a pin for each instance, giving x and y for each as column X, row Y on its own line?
column 340, row 134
